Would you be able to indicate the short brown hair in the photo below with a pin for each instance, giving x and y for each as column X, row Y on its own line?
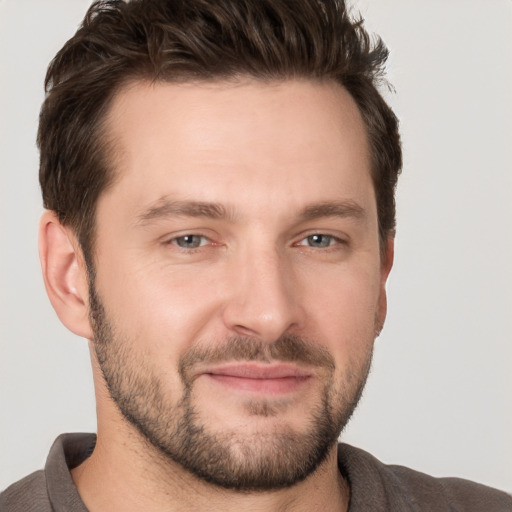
column 185, row 40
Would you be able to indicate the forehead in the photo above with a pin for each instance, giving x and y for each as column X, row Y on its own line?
column 246, row 142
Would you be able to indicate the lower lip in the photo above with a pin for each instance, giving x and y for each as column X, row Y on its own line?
column 277, row 386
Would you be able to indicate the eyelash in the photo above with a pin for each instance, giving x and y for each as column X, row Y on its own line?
column 332, row 241
column 174, row 241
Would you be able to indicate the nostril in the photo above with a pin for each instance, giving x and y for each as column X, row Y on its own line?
column 244, row 331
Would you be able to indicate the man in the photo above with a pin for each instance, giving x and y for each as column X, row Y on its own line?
column 219, row 178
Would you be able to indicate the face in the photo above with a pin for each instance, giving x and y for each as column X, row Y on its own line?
column 238, row 281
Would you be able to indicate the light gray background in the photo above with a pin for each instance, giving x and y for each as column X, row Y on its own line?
column 439, row 397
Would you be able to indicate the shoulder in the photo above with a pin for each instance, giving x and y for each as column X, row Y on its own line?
column 26, row 495
column 52, row 488
column 378, row 486
column 453, row 493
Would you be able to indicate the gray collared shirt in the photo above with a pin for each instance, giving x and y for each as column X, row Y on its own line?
column 374, row 486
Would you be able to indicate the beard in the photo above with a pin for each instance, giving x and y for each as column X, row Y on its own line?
column 260, row 460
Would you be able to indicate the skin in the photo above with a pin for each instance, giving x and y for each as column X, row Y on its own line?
column 265, row 153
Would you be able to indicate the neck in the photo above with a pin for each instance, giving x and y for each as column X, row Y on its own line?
column 135, row 476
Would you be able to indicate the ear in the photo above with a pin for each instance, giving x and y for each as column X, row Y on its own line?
column 64, row 274
column 387, row 258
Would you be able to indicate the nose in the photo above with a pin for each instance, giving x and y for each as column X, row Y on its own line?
column 263, row 300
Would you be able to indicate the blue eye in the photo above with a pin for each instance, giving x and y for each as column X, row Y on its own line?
column 319, row 241
column 190, row 241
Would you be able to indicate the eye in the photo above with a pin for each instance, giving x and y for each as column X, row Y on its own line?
column 190, row 241
column 319, row 241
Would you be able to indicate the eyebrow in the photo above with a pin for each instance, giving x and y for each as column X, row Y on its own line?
column 164, row 208
column 341, row 209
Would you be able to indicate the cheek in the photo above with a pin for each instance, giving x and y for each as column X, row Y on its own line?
column 163, row 309
column 344, row 309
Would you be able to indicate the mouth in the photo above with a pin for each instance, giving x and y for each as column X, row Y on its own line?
column 257, row 378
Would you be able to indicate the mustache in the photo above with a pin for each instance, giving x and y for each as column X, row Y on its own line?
column 290, row 349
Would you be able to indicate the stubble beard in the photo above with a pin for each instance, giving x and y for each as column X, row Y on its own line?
column 259, row 461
